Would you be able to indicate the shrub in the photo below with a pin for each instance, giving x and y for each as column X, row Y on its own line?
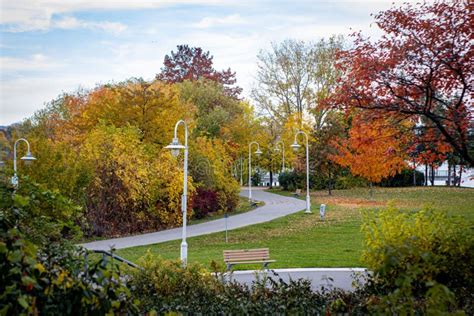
column 42, row 215
column 166, row 287
column 421, row 261
column 204, row 202
column 404, row 179
column 56, row 280
column 349, row 181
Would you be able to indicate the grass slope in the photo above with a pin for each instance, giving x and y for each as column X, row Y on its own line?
column 302, row 240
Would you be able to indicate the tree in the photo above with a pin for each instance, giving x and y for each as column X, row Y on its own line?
column 293, row 76
column 192, row 63
column 374, row 149
column 324, row 148
column 422, row 68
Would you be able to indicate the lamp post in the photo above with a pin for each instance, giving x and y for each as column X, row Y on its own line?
column 283, row 154
column 295, row 147
column 258, row 152
column 175, row 147
column 28, row 158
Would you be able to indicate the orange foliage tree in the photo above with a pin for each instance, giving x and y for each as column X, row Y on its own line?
column 374, row 149
column 421, row 69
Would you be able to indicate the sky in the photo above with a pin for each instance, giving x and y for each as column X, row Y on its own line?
column 48, row 47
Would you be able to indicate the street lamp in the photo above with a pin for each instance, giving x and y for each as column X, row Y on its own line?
column 258, row 153
column 175, row 148
column 28, row 158
column 295, row 147
column 283, row 154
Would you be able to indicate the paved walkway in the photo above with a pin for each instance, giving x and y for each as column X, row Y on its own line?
column 275, row 206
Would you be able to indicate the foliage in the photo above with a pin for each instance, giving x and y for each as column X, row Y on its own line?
column 347, row 181
column 56, row 280
column 131, row 193
column 420, row 260
column 374, row 149
column 165, row 286
column 293, row 76
column 192, row 63
column 404, row 179
column 43, row 215
column 420, row 69
column 204, row 203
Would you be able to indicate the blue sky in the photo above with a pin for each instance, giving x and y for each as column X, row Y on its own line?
column 52, row 46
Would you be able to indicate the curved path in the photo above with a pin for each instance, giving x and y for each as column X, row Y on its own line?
column 275, row 206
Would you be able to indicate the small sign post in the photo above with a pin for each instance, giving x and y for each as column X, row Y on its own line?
column 322, row 211
column 225, row 217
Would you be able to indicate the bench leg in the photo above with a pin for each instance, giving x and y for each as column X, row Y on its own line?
column 265, row 265
column 229, row 267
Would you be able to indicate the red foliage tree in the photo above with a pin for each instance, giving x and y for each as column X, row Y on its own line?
column 422, row 68
column 191, row 63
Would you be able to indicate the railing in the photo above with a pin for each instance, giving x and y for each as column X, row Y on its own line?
column 114, row 256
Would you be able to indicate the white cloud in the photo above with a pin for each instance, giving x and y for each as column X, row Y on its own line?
column 31, row 15
column 69, row 23
column 208, row 22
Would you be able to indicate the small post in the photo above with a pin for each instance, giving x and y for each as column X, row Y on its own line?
column 226, row 234
column 322, row 211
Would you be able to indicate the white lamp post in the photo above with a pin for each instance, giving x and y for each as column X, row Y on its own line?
column 258, row 152
column 295, row 147
column 175, row 147
column 28, row 158
column 283, row 154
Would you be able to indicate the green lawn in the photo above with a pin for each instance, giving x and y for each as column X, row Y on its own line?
column 302, row 240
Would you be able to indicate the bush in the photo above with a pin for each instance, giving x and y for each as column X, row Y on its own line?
column 349, row 181
column 42, row 215
column 404, row 179
column 204, row 202
column 166, row 287
column 421, row 261
column 56, row 280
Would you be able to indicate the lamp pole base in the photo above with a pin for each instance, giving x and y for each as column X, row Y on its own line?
column 308, row 205
column 184, row 253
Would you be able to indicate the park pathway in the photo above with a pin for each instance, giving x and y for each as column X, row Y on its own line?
column 275, row 206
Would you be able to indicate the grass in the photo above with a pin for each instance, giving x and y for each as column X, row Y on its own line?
column 302, row 240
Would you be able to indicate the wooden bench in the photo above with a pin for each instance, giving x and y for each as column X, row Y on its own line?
column 297, row 193
column 245, row 256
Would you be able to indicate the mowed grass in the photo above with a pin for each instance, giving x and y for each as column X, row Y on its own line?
column 302, row 240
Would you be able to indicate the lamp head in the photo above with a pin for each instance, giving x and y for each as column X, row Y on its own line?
column 258, row 152
column 295, row 146
column 175, row 147
column 28, row 158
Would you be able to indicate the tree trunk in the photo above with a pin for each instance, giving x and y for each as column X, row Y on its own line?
column 454, row 175
column 460, row 174
column 271, row 179
column 414, row 173
column 432, row 175
column 426, row 175
column 449, row 174
column 371, row 190
column 330, row 184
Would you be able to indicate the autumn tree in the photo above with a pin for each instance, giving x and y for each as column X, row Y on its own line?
column 324, row 147
column 422, row 68
column 293, row 76
column 192, row 63
column 374, row 149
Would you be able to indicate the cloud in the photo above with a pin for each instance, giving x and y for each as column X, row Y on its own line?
column 208, row 22
column 34, row 15
column 69, row 23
